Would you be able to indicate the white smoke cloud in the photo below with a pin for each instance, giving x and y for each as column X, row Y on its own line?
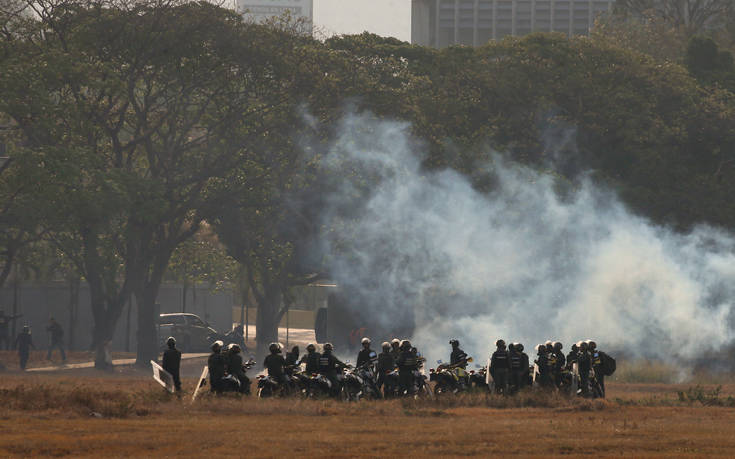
column 521, row 263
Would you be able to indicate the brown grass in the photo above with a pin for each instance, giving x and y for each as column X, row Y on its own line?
column 37, row 359
column 128, row 415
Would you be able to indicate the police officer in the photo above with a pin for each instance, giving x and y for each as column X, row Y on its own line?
column 292, row 358
column 366, row 355
column 542, row 362
column 235, row 367
column 386, row 364
column 216, row 364
column 525, row 366
column 516, row 368
column 275, row 363
column 311, row 359
column 395, row 345
column 596, row 363
column 24, row 342
column 559, row 362
column 458, row 357
column 172, row 361
column 57, row 339
column 407, row 364
column 572, row 356
column 328, row 366
column 584, row 366
column 500, row 367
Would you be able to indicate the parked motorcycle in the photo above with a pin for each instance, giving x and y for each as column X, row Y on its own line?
column 449, row 378
column 360, row 383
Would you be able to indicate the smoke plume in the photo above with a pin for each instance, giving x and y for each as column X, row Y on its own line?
column 523, row 262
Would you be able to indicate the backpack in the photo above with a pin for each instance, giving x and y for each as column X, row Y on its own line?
column 608, row 364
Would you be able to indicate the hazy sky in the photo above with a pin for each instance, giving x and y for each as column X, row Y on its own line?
column 383, row 17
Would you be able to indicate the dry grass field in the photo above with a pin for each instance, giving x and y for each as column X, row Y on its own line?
column 82, row 414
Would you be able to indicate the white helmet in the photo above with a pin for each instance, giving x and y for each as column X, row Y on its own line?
column 365, row 340
column 395, row 341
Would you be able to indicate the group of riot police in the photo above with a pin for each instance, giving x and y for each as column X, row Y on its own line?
column 397, row 369
column 582, row 371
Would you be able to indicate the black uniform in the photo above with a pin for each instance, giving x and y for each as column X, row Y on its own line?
column 312, row 362
column 23, row 342
column 516, row 370
column 525, row 368
column 275, row 363
column 500, row 369
column 584, row 365
column 328, row 365
column 57, row 339
column 407, row 364
column 234, row 367
column 365, row 356
column 172, row 364
column 292, row 358
column 459, row 357
column 216, row 364
column 596, row 362
column 544, row 371
column 386, row 364
column 559, row 364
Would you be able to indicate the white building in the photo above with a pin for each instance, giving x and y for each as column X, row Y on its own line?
column 442, row 23
column 262, row 10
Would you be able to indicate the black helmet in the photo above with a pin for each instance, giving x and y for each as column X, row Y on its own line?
column 519, row 347
column 558, row 346
column 235, row 348
column 311, row 347
column 405, row 344
column 328, row 347
column 591, row 345
column 171, row 341
column 500, row 343
column 275, row 348
column 512, row 347
column 454, row 342
column 574, row 347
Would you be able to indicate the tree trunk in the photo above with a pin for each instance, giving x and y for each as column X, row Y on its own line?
column 147, row 333
column 267, row 319
column 74, row 283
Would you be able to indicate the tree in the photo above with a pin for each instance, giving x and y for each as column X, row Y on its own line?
column 134, row 111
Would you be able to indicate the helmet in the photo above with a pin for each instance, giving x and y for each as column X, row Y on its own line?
column 311, row 347
column 500, row 343
column 217, row 345
column 512, row 346
column 540, row 348
column 582, row 345
column 591, row 345
column 395, row 341
column 275, row 348
column 405, row 344
column 385, row 346
column 328, row 347
column 234, row 348
column 558, row 346
column 171, row 341
column 365, row 341
column 548, row 343
column 574, row 347
column 454, row 342
column 26, row 328
column 519, row 347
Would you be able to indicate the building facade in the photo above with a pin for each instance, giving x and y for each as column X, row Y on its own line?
column 441, row 23
column 262, row 10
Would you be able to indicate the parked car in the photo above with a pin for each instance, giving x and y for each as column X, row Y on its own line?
column 192, row 333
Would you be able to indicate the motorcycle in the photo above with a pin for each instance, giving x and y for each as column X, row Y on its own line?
column 270, row 387
column 391, row 386
column 478, row 378
column 318, row 386
column 359, row 383
column 449, row 378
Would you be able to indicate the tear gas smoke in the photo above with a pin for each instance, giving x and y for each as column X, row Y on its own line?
column 523, row 262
